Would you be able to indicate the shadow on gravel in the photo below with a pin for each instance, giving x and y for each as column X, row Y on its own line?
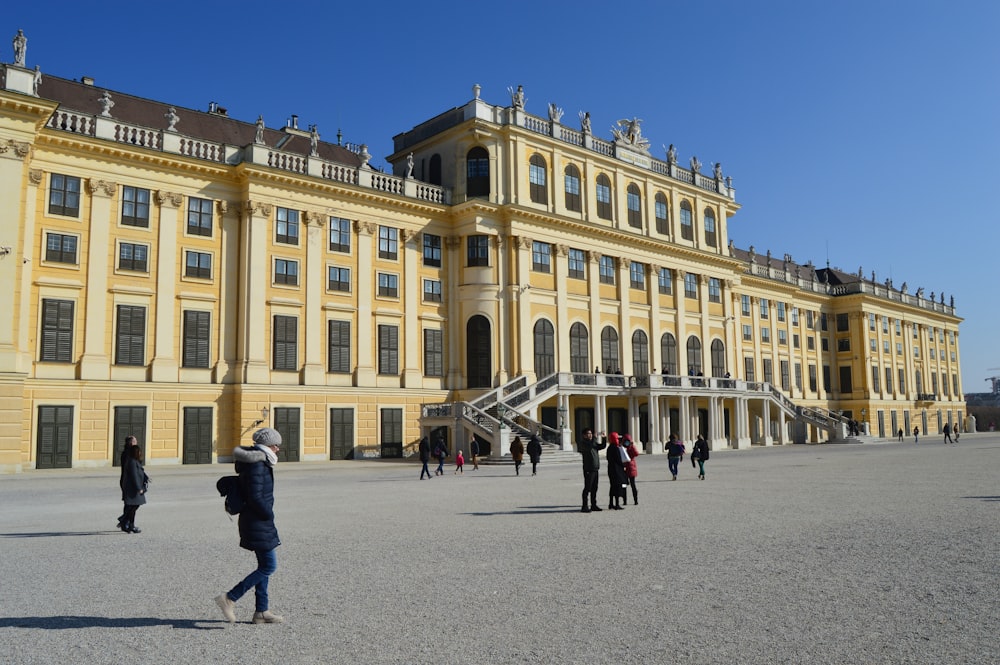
column 53, row 534
column 983, row 498
column 70, row 622
column 529, row 510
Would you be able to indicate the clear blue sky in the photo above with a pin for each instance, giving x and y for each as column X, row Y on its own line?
column 860, row 131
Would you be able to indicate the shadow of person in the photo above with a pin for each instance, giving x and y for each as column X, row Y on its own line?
column 68, row 622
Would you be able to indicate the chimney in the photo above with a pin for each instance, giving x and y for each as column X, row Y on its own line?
column 87, row 80
column 295, row 121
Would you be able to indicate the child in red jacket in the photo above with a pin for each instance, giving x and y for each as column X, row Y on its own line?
column 459, row 463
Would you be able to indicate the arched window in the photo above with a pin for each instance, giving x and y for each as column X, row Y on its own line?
column 579, row 349
column 572, row 180
column 718, row 358
column 687, row 228
column 609, row 350
column 545, row 349
column 434, row 176
column 694, row 355
column 668, row 350
column 640, row 354
column 479, row 352
column 603, row 197
column 538, row 179
column 634, row 203
column 477, row 181
column 709, row 227
column 660, row 212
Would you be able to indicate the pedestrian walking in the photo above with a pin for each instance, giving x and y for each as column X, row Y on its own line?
column 134, row 488
column 947, row 433
column 459, row 463
column 517, row 454
column 617, row 480
column 534, row 452
column 700, row 453
column 916, row 434
column 126, row 454
column 255, row 466
column 900, row 434
column 675, row 453
column 631, row 469
column 440, row 452
column 474, row 451
column 424, row 448
column 589, row 448
column 956, row 430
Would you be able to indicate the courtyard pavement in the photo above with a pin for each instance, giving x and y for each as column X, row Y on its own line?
column 885, row 553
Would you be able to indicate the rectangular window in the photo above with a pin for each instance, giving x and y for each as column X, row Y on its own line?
column 338, row 279
column 873, row 345
column 810, row 322
column 768, row 371
column 899, row 327
column 795, row 316
column 823, row 322
column 64, row 195
column 57, row 331
column 607, row 270
column 843, row 323
column 916, row 352
column 128, row 421
column 954, row 384
column 795, row 341
column 714, row 289
column 388, row 285
column 432, row 250
column 340, row 234
column 432, row 290
column 338, row 359
column 782, row 337
column 342, row 434
column 812, row 378
column 388, row 243
column 287, row 226
column 888, row 379
column 781, row 310
column 286, row 271
column 899, row 349
column 577, row 264
column 541, row 257
column 765, row 334
column 199, row 217
column 687, row 225
column 765, row 308
column 885, row 325
column 811, row 343
column 902, row 380
column 826, row 378
column 478, row 251
column 660, row 212
column 634, row 204
column 572, row 183
column 825, row 344
column 844, row 344
column 388, row 349
column 603, row 200
column 886, row 348
column 55, row 437
column 198, row 264
column 665, row 281
column 132, row 256
column 196, row 332
column 745, row 305
column 691, row 286
column 871, row 321
column 876, row 376
column 944, row 384
column 130, row 335
column 748, row 368
column 433, row 352
column 915, row 331
column 846, row 380
column 285, row 343
column 637, row 275
column 747, row 332
column 391, row 432
column 536, row 183
column 135, row 206
column 60, row 248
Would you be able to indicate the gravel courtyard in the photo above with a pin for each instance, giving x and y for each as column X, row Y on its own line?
column 885, row 553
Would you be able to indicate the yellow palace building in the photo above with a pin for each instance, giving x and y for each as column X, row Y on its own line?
column 185, row 276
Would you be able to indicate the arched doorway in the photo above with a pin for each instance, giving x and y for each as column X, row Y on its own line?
column 479, row 352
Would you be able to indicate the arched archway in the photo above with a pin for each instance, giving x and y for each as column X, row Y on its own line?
column 579, row 349
column 694, row 355
column 545, row 348
column 718, row 358
column 479, row 352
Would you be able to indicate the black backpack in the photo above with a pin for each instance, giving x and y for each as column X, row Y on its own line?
column 229, row 487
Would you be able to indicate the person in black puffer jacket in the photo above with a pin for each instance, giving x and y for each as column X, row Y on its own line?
column 255, row 466
column 700, row 453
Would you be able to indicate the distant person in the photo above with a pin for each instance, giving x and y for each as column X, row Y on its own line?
column 459, row 463
column 134, row 490
column 947, row 433
column 255, row 466
column 617, row 480
column 589, row 448
column 424, row 448
column 700, row 453
column 440, row 452
column 956, row 430
column 900, row 434
column 126, row 454
column 631, row 469
column 675, row 453
column 916, row 434
column 517, row 454
column 534, row 452
column 474, row 452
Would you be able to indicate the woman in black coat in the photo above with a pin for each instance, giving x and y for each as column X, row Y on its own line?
column 134, row 481
column 424, row 447
column 534, row 453
column 616, row 473
column 700, row 453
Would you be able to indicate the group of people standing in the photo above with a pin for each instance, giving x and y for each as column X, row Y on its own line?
column 440, row 453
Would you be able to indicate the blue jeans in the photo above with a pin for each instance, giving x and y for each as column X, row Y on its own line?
column 267, row 563
column 672, row 462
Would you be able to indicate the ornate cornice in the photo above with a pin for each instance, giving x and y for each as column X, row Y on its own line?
column 364, row 228
column 562, row 250
column 250, row 208
column 408, row 235
column 106, row 187
column 314, row 218
column 523, row 242
column 171, row 199
column 20, row 148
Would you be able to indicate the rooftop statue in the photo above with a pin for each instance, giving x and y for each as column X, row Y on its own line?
column 717, row 170
column 37, row 80
column 585, row 122
column 555, row 113
column 313, row 141
column 20, row 48
column 258, row 136
column 629, row 132
column 106, row 104
column 172, row 119
column 671, row 154
column 695, row 165
column 517, row 97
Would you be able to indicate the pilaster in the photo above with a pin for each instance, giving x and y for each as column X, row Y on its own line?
column 95, row 363
column 256, row 277
column 229, row 303
column 411, row 242
column 313, row 372
column 365, row 373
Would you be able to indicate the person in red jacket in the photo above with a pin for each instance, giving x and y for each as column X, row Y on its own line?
column 631, row 470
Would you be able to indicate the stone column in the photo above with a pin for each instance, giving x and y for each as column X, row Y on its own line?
column 255, row 271
column 314, row 335
column 504, row 329
column 228, row 272
column 766, row 415
column 365, row 373
column 655, row 443
column 95, row 363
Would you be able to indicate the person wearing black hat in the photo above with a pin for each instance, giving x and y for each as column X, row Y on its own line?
column 255, row 466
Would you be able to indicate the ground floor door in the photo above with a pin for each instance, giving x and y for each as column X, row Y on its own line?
column 55, row 437
column 341, row 433
column 197, row 439
column 129, row 421
column 288, row 423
